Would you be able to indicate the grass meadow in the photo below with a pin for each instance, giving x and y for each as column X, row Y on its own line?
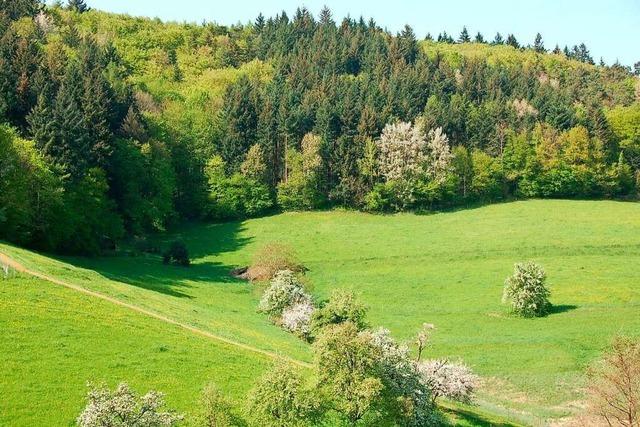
column 447, row 269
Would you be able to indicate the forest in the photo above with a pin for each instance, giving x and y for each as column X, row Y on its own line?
column 114, row 126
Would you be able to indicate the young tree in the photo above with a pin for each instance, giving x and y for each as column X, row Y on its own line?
column 343, row 306
column 527, row 291
column 280, row 399
column 215, row 410
column 614, row 386
column 347, row 371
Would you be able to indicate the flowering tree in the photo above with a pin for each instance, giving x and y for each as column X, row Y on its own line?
column 454, row 381
column 439, row 159
column 123, row 408
column 402, row 151
column 527, row 291
column 297, row 318
column 285, row 291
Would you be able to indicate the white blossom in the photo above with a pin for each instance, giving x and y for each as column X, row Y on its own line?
column 526, row 290
column 297, row 318
column 122, row 408
column 523, row 108
column 284, row 291
column 454, row 381
column 402, row 151
column 439, row 155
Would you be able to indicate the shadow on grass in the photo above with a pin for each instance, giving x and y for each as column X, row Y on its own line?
column 148, row 272
column 467, row 418
column 561, row 308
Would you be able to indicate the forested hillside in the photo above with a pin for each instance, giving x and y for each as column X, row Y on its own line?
column 116, row 126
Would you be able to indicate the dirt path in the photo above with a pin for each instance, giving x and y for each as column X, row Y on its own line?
column 6, row 260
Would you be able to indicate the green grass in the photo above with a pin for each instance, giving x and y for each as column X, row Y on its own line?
column 447, row 269
column 55, row 340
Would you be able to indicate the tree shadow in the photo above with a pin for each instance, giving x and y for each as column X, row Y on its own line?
column 147, row 271
column 561, row 308
column 465, row 417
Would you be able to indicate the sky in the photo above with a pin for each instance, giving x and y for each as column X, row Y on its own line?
column 610, row 28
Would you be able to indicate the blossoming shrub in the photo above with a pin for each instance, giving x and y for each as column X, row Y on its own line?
column 284, row 291
column 123, row 408
column 297, row 318
column 526, row 290
column 454, row 381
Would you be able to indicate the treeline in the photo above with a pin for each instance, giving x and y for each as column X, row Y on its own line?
column 131, row 133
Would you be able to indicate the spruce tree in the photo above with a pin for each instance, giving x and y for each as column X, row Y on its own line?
column 479, row 38
column 557, row 50
column 498, row 39
column 259, row 24
column 512, row 41
column 79, row 6
column 636, row 68
column 464, row 36
column 538, row 44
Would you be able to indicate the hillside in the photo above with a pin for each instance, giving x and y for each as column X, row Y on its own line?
column 447, row 269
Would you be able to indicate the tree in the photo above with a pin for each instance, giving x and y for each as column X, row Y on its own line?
column 464, row 36
column 538, row 45
column 347, row 371
column 343, row 306
column 454, row 381
column 479, row 38
column 498, row 40
column 284, row 291
column 123, row 408
column 636, row 68
column 279, row 399
column 614, row 384
column 526, row 290
column 512, row 41
column 215, row 410
column 79, row 6
column 16, row 9
column 302, row 186
column 177, row 253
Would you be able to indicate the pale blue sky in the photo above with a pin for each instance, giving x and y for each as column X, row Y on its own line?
column 611, row 29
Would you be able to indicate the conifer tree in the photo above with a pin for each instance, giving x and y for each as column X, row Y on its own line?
column 512, row 41
column 538, row 44
column 464, row 36
column 557, row 50
column 498, row 39
column 79, row 6
column 479, row 38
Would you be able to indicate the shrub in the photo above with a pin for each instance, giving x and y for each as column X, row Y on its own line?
column 454, row 381
column 297, row 318
column 285, row 291
column 526, row 290
column 272, row 258
column 215, row 410
column 343, row 306
column 279, row 399
column 177, row 253
column 123, row 408
column 614, row 388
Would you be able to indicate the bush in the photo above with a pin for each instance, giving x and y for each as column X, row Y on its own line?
column 526, row 290
column 272, row 258
column 177, row 254
column 279, row 399
column 123, row 408
column 297, row 318
column 215, row 410
column 343, row 306
column 285, row 291
column 454, row 381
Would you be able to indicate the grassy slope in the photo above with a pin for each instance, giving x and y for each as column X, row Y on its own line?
column 54, row 340
column 446, row 269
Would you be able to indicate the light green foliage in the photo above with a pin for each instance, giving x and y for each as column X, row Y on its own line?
column 280, row 399
column 301, row 188
column 215, row 410
column 526, row 290
column 342, row 306
column 625, row 123
column 347, row 371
